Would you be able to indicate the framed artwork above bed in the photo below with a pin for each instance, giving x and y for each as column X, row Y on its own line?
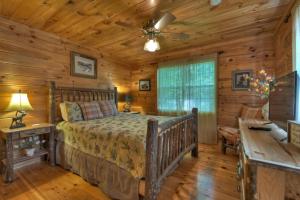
column 83, row 66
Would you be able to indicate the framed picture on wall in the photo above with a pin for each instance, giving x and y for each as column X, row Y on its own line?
column 144, row 85
column 83, row 66
column 240, row 79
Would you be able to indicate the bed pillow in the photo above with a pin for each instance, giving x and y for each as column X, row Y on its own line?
column 108, row 108
column 70, row 111
column 90, row 110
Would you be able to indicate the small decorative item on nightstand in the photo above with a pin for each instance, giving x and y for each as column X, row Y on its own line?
column 26, row 144
column 19, row 102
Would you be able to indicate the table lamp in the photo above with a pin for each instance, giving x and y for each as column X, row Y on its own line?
column 19, row 102
column 127, row 105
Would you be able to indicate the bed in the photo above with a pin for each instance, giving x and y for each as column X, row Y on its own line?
column 126, row 155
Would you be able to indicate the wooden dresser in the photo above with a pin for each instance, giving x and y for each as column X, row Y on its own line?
column 268, row 168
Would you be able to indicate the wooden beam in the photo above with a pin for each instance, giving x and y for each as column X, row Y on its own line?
column 195, row 132
column 286, row 16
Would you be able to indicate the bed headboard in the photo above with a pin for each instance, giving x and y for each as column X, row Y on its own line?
column 58, row 95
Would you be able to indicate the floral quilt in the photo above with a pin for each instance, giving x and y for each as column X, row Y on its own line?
column 120, row 139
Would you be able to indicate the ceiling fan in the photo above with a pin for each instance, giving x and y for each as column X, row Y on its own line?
column 153, row 28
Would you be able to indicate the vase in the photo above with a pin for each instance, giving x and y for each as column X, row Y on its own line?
column 265, row 110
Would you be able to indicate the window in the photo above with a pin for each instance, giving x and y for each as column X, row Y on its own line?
column 296, row 54
column 184, row 86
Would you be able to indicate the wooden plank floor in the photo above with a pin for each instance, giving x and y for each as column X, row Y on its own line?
column 212, row 176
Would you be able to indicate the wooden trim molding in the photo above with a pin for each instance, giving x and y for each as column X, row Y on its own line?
column 191, row 59
column 286, row 15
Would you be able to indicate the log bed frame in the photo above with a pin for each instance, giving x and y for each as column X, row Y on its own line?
column 166, row 143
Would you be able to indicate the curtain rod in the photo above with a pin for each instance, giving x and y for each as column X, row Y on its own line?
column 189, row 60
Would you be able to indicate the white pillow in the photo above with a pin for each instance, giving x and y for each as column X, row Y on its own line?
column 63, row 111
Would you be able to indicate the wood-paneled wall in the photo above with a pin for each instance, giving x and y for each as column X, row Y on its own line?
column 146, row 101
column 246, row 53
column 283, row 49
column 30, row 58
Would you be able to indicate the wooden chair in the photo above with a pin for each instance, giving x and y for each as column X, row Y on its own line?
column 230, row 136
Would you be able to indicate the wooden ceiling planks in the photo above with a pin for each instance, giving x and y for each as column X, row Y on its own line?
column 114, row 26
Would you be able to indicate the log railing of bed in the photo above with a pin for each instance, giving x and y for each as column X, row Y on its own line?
column 166, row 143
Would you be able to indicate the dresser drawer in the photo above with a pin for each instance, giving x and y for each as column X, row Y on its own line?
column 39, row 131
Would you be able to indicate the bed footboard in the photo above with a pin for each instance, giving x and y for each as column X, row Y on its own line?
column 167, row 143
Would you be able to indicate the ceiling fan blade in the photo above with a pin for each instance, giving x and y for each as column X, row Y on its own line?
column 180, row 36
column 176, row 36
column 165, row 20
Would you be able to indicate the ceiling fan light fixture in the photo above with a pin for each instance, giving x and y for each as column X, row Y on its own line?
column 215, row 2
column 152, row 45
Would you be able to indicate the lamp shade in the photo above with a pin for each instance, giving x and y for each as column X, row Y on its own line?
column 128, row 98
column 19, row 102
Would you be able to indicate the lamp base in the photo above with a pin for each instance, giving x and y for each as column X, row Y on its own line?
column 127, row 107
column 17, row 121
column 19, row 125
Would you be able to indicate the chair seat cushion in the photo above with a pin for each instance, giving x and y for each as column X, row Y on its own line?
column 229, row 129
column 230, row 134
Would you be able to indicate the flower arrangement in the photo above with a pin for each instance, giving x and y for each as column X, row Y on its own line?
column 262, row 84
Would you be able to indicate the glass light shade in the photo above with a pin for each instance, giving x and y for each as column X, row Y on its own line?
column 215, row 2
column 19, row 102
column 151, row 45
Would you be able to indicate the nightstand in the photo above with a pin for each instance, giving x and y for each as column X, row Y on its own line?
column 41, row 135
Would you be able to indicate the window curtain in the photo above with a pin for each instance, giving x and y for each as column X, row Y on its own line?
column 296, row 52
column 184, row 85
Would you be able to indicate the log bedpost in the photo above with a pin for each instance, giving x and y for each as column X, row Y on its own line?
column 195, row 132
column 52, row 106
column 116, row 96
column 151, row 160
